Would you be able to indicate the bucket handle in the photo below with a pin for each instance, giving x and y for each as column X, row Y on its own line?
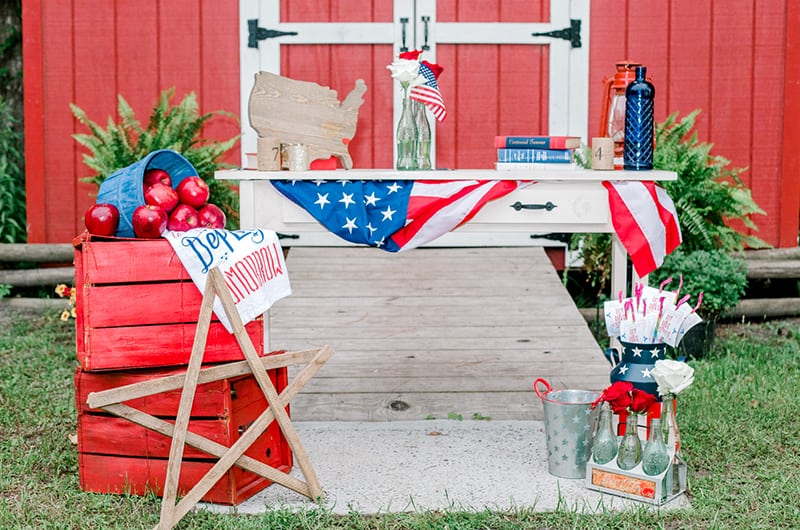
column 544, row 382
column 613, row 356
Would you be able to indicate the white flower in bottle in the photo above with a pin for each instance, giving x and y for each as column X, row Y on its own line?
column 672, row 376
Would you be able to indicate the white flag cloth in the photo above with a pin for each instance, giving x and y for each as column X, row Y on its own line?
column 251, row 262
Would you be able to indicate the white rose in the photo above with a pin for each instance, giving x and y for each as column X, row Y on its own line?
column 406, row 71
column 672, row 376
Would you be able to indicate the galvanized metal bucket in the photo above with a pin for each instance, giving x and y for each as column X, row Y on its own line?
column 569, row 423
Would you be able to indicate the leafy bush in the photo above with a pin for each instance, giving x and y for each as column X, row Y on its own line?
column 720, row 276
column 12, row 180
column 176, row 127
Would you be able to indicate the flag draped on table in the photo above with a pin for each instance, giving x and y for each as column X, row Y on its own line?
column 428, row 92
column 646, row 222
column 404, row 214
column 393, row 215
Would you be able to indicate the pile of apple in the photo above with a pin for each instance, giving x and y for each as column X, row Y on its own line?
column 177, row 209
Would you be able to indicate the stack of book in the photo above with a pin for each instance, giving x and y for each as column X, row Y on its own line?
column 536, row 152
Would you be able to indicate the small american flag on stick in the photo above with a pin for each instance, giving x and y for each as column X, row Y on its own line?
column 428, row 92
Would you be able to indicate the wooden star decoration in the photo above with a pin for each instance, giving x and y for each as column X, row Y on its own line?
column 112, row 401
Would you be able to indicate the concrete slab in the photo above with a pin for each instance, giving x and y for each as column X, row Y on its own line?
column 384, row 467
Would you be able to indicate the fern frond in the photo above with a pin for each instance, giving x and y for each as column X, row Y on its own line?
column 178, row 127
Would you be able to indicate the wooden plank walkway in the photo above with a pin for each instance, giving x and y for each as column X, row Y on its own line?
column 433, row 332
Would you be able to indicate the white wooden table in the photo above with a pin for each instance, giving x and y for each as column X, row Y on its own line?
column 580, row 204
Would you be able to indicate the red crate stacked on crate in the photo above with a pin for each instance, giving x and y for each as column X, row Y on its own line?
column 137, row 311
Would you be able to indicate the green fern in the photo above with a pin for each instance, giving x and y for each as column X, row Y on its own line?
column 178, row 127
column 707, row 194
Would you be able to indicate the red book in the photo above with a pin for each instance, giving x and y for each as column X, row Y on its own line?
column 537, row 142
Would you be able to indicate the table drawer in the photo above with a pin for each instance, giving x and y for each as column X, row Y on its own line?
column 569, row 203
column 578, row 207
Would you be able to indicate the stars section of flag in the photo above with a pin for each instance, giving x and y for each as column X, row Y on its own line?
column 361, row 212
column 393, row 215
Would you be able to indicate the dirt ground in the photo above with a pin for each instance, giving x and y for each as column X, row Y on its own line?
column 762, row 329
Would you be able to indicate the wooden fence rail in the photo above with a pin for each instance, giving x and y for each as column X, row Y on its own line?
column 779, row 263
column 58, row 254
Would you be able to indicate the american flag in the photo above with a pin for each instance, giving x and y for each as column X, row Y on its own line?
column 393, row 215
column 428, row 92
column 646, row 221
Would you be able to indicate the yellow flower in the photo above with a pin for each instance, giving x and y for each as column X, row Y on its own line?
column 67, row 292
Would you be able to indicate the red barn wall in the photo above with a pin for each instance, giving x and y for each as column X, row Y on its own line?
column 86, row 52
column 737, row 61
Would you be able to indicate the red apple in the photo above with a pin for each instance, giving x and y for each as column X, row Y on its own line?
column 183, row 218
column 102, row 219
column 211, row 216
column 151, row 176
column 149, row 221
column 159, row 194
column 193, row 191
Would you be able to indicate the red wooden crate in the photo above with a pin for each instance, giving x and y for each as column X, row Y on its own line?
column 118, row 456
column 137, row 307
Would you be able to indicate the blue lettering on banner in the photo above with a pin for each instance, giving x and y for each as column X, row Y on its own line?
column 213, row 247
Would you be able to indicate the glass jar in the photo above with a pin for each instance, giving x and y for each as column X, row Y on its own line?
column 406, row 138
column 672, row 438
column 604, row 448
column 655, row 457
column 423, row 135
column 629, row 453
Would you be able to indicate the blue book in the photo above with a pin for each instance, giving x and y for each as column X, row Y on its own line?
column 550, row 156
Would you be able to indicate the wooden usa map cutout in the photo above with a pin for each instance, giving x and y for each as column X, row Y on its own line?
column 300, row 112
column 112, row 401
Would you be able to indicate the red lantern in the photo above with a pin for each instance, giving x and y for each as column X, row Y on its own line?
column 612, row 118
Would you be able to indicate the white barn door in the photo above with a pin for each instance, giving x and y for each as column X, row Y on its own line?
column 414, row 24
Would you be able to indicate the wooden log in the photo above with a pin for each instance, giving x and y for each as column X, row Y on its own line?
column 773, row 268
column 39, row 253
column 772, row 254
column 33, row 277
column 34, row 304
column 767, row 308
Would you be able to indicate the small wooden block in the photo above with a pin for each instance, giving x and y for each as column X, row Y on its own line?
column 269, row 154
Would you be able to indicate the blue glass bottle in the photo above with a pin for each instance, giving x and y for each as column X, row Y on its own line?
column 639, row 131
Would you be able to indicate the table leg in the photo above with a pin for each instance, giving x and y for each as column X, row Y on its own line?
column 619, row 268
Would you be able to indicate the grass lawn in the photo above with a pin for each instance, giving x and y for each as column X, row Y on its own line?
column 740, row 430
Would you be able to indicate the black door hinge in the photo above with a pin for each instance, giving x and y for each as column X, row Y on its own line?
column 572, row 33
column 256, row 34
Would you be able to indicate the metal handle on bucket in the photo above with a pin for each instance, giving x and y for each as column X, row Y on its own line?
column 544, row 382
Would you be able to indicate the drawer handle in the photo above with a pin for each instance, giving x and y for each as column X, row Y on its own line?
column 546, row 206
